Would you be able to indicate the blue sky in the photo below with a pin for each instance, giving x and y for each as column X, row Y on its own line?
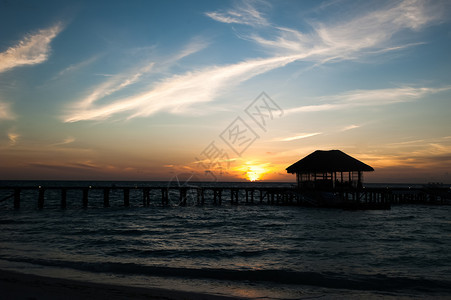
column 139, row 90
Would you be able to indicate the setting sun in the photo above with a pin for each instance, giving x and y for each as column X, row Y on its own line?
column 253, row 176
column 254, row 172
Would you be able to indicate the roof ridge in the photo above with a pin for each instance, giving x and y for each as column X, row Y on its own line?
column 328, row 161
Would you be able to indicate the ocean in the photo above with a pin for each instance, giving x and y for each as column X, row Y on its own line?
column 255, row 251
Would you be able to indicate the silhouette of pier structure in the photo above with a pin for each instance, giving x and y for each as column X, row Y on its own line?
column 364, row 198
column 324, row 179
column 192, row 195
column 334, row 179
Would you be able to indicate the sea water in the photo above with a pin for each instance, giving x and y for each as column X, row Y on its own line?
column 256, row 251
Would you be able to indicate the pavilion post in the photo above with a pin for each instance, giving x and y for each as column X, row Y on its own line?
column 359, row 181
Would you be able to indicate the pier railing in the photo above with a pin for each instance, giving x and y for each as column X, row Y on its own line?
column 164, row 195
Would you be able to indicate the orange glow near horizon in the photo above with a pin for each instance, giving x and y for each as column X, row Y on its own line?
column 253, row 172
column 253, row 175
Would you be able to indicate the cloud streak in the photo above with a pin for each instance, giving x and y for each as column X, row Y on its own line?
column 298, row 137
column 373, row 31
column 360, row 98
column 78, row 66
column 115, row 84
column 177, row 93
column 350, row 127
column 32, row 49
column 244, row 14
column 88, row 109
column 13, row 137
column 68, row 167
column 66, row 141
column 5, row 111
column 370, row 33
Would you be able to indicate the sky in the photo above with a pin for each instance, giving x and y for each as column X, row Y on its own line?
column 223, row 90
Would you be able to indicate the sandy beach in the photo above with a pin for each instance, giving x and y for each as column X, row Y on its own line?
column 18, row 286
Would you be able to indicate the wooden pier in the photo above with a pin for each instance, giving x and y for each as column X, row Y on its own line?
column 364, row 198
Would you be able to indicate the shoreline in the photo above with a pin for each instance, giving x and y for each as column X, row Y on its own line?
column 16, row 285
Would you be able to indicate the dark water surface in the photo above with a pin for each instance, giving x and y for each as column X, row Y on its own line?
column 257, row 251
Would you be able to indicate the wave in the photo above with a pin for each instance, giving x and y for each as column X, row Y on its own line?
column 189, row 253
column 375, row 282
column 5, row 222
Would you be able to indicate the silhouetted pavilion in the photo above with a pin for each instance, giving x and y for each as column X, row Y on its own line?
column 331, row 169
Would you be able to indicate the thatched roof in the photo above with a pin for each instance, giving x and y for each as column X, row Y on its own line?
column 328, row 161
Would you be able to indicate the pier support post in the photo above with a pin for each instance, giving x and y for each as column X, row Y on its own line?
column 146, row 197
column 127, row 197
column 63, row 198
column 16, row 198
column 182, row 197
column 198, row 196
column 106, row 197
column 164, row 196
column 41, row 198
column 85, row 197
column 234, row 196
column 217, row 196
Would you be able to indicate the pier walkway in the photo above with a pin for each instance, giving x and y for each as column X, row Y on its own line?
column 365, row 198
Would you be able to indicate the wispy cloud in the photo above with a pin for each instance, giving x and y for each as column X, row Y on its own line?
column 13, row 137
column 245, row 13
column 298, row 136
column 395, row 48
column 32, row 49
column 348, row 39
column 86, row 109
column 114, row 84
column 5, row 111
column 406, row 143
column 371, row 32
column 376, row 28
column 86, row 165
column 177, row 93
column 68, row 140
column 434, row 155
column 368, row 98
column 353, row 126
column 77, row 66
column 195, row 45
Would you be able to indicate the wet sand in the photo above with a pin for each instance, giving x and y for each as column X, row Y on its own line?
column 31, row 287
